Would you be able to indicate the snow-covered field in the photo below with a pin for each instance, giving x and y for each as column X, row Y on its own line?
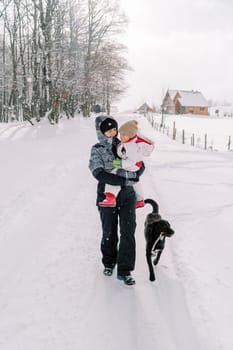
column 53, row 294
column 217, row 129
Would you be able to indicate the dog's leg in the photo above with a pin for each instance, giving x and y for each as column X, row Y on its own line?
column 158, row 255
column 158, row 248
column 149, row 262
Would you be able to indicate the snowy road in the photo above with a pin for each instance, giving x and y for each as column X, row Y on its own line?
column 53, row 294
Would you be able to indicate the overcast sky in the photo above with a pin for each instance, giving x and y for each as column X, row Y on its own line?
column 178, row 44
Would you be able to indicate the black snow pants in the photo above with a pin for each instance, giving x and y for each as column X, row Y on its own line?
column 124, row 214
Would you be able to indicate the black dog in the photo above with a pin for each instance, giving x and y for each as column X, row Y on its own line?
column 156, row 231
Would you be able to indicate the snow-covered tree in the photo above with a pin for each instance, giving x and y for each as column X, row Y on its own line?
column 58, row 55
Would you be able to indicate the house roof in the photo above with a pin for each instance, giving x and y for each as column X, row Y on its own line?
column 189, row 98
column 143, row 107
column 172, row 93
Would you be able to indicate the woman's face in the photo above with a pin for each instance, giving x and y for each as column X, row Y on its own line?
column 111, row 133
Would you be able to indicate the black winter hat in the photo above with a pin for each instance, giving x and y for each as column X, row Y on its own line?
column 108, row 124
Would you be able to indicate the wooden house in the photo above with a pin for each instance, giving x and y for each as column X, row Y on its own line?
column 168, row 103
column 182, row 101
column 144, row 108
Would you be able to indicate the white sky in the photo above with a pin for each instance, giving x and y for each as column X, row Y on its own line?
column 178, row 44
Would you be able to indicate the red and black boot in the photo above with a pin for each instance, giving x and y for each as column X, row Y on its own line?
column 109, row 201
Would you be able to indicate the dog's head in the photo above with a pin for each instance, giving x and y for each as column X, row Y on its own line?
column 164, row 227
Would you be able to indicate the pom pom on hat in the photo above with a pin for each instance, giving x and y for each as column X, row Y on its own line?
column 129, row 128
column 108, row 124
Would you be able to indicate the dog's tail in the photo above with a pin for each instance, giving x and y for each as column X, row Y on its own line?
column 154, row 205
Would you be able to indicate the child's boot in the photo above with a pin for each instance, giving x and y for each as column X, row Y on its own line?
column 109, row 201
column 140, row 204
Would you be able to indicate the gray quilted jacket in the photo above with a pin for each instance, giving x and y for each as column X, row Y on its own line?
column 102, row 155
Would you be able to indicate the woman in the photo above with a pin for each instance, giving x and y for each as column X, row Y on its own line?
column 101, row 164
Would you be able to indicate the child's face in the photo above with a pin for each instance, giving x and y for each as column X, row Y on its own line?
column 123, row 137
column 111, row 133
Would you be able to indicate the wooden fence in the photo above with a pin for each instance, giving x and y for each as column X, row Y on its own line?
column 193, row 140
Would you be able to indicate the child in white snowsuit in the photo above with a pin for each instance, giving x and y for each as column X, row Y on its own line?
column 132, row 150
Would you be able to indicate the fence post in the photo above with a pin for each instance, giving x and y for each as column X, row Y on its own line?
column 205, row 141
column 229, row 143
column 192, row 140
column 174, row 131
column 183, row 137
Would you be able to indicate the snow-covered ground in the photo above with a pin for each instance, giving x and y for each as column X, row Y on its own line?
column 53, row 294
column 217, row 129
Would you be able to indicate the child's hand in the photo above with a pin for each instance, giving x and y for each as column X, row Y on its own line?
column 117, row 163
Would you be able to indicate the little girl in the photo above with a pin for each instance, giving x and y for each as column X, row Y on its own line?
column 132, row 150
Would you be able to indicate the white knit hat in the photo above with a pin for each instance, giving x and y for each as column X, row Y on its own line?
column 129, row 128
